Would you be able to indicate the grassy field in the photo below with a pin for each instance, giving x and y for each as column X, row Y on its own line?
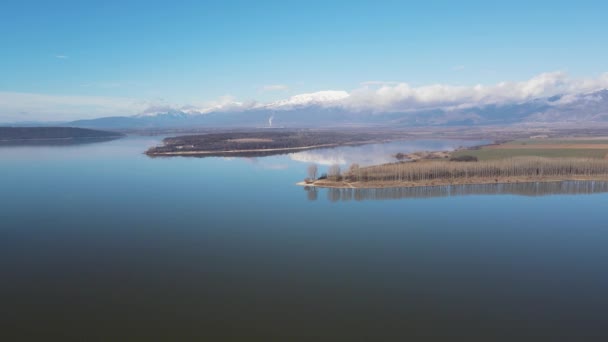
column 521, row 142
column 566, row 148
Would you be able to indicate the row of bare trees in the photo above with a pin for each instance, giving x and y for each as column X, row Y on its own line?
column 512, row 167
column 333, row 173
column 312, row 171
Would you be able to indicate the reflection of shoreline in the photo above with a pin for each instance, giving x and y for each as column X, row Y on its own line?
column 533, row 189
column 447, row 182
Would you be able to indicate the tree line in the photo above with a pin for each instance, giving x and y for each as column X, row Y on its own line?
column 445, row 170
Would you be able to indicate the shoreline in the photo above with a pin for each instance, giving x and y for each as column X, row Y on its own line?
column 219, row 153
column 385, row 184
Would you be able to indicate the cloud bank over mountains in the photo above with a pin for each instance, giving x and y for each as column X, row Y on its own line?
column 381, row 97
column 403, row 97
column 544, row 92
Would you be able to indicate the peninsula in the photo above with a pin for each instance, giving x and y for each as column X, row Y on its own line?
column 518, row 161
column 265, row 142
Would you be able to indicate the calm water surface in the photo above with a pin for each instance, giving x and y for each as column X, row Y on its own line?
column 99, row 242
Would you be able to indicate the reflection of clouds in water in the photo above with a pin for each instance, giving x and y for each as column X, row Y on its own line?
column 319, row 157
column 268, row 163
column 372, row 154
column 274, row 166
column 248, row 160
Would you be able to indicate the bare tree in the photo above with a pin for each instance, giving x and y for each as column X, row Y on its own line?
column 526, row 167
column 334, row 172
column 312, row 171
column 353, row 172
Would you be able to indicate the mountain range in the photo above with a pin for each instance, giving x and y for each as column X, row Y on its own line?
column 329, row 109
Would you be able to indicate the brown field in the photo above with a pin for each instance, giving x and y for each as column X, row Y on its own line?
column 421, row 156
column 577, row 147
column 548, row 147
column 250, row 140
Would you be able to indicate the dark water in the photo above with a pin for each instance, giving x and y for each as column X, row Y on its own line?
column 100, row 243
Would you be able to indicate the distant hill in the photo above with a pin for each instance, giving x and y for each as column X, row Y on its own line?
column 52, row 133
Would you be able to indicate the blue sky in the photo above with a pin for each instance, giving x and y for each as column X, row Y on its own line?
column 183, row 52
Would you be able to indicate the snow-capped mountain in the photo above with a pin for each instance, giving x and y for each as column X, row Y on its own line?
column 544, row 98
column 328, row 109
column 322, row 98
column 166, row 112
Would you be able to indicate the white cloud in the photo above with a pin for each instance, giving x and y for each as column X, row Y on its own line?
column 320, row 158
column 222, row 104
column 26, row 106
column 274, row 87
column 373, row 96
column 458, row 68
column 321, row 98
column 61, row 57
column 403, row 97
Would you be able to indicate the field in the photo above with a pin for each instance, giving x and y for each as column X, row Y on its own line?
column 562, row 148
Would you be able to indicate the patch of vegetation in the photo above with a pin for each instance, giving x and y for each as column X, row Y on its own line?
column 464, row 158
column 549, row 148
column 495, row 154
column 566, row 141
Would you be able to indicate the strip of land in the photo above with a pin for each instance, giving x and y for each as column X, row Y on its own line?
column 9, row 134
column 519, row 161
column 549, row 148
column 243, row 152
column 446, row 182
column 266, row 142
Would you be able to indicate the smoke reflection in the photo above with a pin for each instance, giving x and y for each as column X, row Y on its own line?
column 375, row 154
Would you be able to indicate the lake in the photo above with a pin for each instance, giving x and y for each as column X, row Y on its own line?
column 100, row 242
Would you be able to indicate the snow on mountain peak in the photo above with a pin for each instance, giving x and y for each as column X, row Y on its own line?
column 327, row 97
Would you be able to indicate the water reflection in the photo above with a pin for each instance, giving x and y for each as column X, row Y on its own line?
column 521, row 189
column 312, row 193
column 373, row 154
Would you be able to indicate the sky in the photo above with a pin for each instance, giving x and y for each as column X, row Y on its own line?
column 66, row 60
